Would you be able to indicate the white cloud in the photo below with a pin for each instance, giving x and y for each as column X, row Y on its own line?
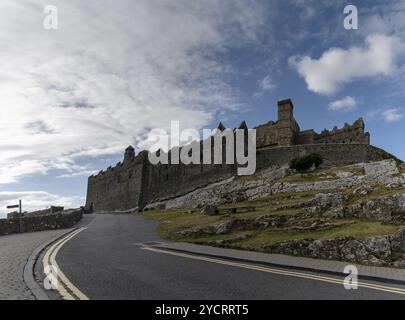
column 111, row 72
column 392, row 115
column 34, row 200
column 338, row 67
column 266, row 84
column 388, row 114
column 348, row 103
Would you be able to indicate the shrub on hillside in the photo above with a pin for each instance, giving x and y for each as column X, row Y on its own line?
column 306, row 162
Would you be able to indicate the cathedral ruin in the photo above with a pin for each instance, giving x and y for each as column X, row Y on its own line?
column 135, row 182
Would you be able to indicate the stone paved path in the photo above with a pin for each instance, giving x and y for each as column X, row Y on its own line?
column 14, row 252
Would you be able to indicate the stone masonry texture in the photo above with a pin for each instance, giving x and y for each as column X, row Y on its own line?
column 14, row 252
column 135, row 182
column 40, row 223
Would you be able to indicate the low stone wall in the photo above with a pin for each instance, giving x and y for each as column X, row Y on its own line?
column 51, row 210
column 58, row 220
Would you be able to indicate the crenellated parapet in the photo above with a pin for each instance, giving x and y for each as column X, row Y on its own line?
column 348, row 134
column 135, row 181
column 129, row 159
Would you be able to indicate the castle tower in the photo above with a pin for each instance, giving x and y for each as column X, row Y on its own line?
column 287, row 126
column 129, row 153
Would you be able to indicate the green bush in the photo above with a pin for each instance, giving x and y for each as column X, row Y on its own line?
column 305, row 163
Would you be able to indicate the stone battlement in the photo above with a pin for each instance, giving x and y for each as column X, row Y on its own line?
column 135, row 182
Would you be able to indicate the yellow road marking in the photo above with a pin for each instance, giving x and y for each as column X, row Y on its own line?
column 278, row 271
column 49, row 260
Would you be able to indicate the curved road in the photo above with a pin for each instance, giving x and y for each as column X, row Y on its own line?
column 105, row 262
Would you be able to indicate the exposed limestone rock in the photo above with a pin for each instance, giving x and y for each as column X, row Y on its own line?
column 329, row 200
column 373, row 250
column 344, row 174
column 353, row 250
column 387, row 208
column 223, row 228
column 398, row 241
column 228, row 240
column 323, row 201
column 399, row 263
column 193, row 232
column 335, row 212
column 277, row 173
column 392, row 186
column 381, row 168
column 379, row 246
column 378, row 194
column 328, row 249
column 271, row 221
column 363, row 190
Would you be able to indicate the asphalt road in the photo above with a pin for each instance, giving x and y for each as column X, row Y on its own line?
column 105, row 262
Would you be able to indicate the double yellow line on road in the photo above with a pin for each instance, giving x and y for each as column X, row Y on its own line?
column 278, row 271
column 65, row 288
column 70, row 292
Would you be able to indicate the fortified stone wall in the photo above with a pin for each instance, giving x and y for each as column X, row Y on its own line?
column 135, row 182
column 119, row 187
column 286, row 131
column 174, row 180
column 332, row 154
column 280, row 133
column 160, row 182
column 348, row 134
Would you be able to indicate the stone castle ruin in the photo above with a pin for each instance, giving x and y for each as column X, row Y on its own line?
column 135, row 182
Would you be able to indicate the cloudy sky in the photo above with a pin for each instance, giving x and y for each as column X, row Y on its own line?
column 72, row 99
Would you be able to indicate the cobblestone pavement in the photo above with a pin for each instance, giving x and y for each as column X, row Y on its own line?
column 14, row 252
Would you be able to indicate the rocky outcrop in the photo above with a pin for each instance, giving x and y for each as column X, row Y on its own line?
column 372, row 250
column 325, row 201
column 386, row 208
column 381, row 168
column 267, row 183
column 320, row 200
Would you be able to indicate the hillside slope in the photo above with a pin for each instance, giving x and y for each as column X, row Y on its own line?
column 353, row 213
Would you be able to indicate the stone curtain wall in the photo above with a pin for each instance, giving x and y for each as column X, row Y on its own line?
column 119, row 187
column 40, row 223
column 134, row 182
column 174, row 180
column 332, row 154
column 153, row 183
column 349, row 134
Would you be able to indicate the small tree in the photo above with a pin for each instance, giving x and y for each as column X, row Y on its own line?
column 306, row 162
